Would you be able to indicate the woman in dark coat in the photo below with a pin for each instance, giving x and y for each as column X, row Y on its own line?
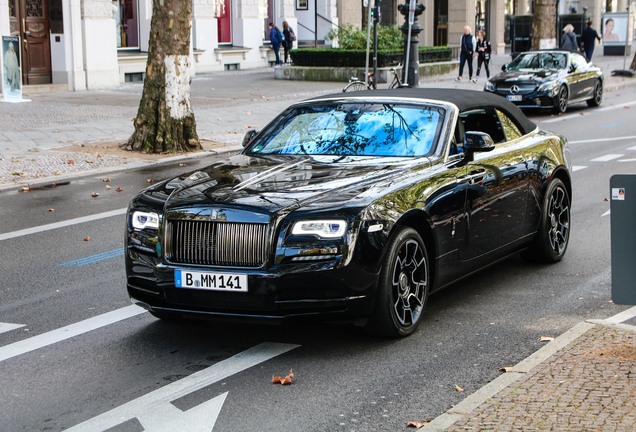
column 288, row 43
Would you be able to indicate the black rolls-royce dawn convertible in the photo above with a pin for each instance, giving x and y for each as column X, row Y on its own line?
column 352, row 206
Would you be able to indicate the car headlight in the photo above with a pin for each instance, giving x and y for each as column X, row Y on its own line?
column 332, row 228
column 142, row 220
column 489, row 86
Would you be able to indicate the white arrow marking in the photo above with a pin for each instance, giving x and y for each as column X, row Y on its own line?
column 6, row 327
column 156, row 412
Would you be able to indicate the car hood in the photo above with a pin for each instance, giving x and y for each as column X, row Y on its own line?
column 538, row 76
column 275, row 183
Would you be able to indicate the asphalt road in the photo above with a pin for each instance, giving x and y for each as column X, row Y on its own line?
column 344, row 380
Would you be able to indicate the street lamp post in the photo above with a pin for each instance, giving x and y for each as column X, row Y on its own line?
column 411, row 29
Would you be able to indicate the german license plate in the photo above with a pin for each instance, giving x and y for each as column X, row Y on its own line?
column 213, row 281
column 514, row 98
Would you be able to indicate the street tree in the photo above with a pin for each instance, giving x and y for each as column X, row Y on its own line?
column 544, row 25
column 165, row 120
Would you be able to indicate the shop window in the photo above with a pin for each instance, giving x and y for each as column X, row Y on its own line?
column 126, row 16
column 223, row 14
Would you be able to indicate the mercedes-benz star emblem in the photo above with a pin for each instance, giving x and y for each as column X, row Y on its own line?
column 514, row 89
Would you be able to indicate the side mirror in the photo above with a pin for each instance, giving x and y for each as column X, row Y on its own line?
column 249, row 136
column 478, row 142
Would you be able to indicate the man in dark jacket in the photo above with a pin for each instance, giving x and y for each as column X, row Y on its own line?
column 276, row 38
column 589, row 36
column 467, row 50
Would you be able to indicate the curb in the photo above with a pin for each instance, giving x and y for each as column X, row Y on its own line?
column 47, row 181
column 466, row 407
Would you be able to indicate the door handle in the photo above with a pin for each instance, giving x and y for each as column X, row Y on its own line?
column 474, row 176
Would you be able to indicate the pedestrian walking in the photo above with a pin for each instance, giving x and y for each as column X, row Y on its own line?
column 589, row 36
column 484, row 49
column 290, row 37
column 276, row 39
column 467, row 44
column 568, row 40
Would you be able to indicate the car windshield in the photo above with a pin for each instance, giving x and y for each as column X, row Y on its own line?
column 539, row 61
column 353, row 129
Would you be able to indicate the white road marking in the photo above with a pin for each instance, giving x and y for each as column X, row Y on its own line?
column 40, row 341
column 7, row 327
column 590, row 112
column 631, row 148
column 626, row 315
column 61, row 224
column 602, row 140
column 627, row 160
column 607, row 213
column 155, row 411
column 607, row 157
column 578, row 167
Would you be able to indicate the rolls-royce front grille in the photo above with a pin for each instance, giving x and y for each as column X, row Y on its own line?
column 217, row 243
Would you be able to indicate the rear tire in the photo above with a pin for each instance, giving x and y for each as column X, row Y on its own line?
column 553, row 236
column 355, row 86
column 597, row 96
column 561, row 101
column 403, row 286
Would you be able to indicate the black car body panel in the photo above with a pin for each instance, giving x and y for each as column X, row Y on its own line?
column 534, row 79
column 250, row 218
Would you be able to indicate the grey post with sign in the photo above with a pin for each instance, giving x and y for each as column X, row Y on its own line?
column 623, row 235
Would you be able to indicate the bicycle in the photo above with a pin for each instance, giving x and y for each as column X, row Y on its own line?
column 355, row 84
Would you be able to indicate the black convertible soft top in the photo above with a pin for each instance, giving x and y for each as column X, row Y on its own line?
column 464, row 100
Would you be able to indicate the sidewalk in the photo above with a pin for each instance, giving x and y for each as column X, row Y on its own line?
column 63, row 134
column 584, row 380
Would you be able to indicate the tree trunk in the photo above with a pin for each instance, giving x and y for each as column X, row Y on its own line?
column 544, row 34
column 165, row 121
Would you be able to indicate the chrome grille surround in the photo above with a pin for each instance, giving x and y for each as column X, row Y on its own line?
column 524, row 88
column 216, row 243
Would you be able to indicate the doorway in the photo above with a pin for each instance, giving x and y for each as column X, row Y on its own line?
column 29, row 19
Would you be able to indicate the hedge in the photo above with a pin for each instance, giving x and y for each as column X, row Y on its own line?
column 333, row 57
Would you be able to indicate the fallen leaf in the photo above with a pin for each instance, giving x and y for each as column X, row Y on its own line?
column 26, row 189
column 94, row 194
column 505, row 369
column 416, row 424
column 119, row 189
column 70, row 162
column 87, row 238
column 51, row 210
column 106, row 179
column 277, row 379
column 107, row 187
column 182, row 164
column 150, row 181
column 458, row 388
column 17, row 173
column 546, row 339
column 606, row 199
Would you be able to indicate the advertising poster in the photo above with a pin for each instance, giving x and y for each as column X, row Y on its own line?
column 614, row 29
column 12, row 70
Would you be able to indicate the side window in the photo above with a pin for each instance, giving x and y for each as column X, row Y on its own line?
column 483, row 120
column 578, row 61
column 511, row 130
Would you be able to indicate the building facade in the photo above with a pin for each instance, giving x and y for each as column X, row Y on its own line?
column 90, row 44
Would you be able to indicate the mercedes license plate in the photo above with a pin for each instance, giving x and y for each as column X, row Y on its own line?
column 213, row 281
column 514, row 98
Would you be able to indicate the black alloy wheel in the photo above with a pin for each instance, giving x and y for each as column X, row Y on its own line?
column 403, row 286
column 553, row 236
column 597, row 96
column 561, row 101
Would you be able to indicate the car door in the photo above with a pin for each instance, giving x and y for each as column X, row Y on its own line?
column 496, row 185
column 581, row 79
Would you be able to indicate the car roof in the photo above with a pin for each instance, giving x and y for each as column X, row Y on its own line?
column 464, row 100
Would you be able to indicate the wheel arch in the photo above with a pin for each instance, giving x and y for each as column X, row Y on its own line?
column 420, row 221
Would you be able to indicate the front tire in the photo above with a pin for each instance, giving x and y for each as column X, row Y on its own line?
column 403, row 286
column 553, row 236
column 561, row 101
column 597, row 96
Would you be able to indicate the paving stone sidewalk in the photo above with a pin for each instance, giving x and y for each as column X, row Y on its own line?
column 585, row 380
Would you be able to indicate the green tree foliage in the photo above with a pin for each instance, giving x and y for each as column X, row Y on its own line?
column 352, row 38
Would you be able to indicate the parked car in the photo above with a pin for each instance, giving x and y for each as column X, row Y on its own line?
column 549, row 79
column 352, row 206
